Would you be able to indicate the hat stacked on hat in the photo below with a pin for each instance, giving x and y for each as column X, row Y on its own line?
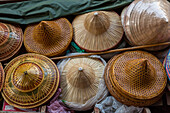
column 31, row 80
column 11, row 38
column 135, row 78
column 147, row 22
column 98, row 30
column 48, row 38
column 82, row 82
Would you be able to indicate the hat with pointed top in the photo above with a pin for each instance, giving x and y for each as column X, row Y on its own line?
column 31, row 80
column 98, row 30
column 48, row 38
column 147, row 22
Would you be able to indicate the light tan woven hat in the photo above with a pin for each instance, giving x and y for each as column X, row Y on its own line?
column 135, row 78
column 82, row 82
column 48, row 38
column 148, row 22
column 98, row 30
column 11, row 38
column 31, row 80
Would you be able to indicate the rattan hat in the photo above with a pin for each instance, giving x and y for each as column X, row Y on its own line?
column 147, row 22
column 135, row 78
column 82, row 82
column 48, row 38
column 11, row 38
column 2, row 76
column 31, row 80
column 98, row 30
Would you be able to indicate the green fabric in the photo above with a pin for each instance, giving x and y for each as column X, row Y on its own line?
column 32, row 11
column 77, row 48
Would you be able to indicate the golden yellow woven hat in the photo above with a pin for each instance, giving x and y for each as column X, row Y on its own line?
column 2, row 76
column 11, row 38
column 148, row 22
column 135, row 78
column 82, row 82
column 48, row 38
column 98, row 30
column 31, row 80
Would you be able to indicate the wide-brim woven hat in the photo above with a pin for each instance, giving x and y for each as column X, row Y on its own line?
column 147, row 22
column 2, row 76
column 11, row 38
column 98, row 30
column 82, row 82
column 49, row 38
column 135, row 78
column 31, row 80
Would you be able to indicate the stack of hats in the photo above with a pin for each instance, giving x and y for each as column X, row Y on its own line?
column 135, row 78
column 82, row 82
column 11, row 38
column 147, row 22
column 49, row 38
column 31, row 80
column 97, row 31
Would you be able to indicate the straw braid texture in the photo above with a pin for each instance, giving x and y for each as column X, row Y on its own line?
column 11, row 38
column 2, row 76
column 31, row 80
column 80, row 85
column 97, row 31
column 48, row 38
column 123, row 98
column 147, row 22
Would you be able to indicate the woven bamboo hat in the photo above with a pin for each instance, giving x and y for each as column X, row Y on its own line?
column 31, row 80
column 48, row 38
column 97, row 31
column 11, row 38
column 148, row 22
column 2, row 76
column 82, row 82
column 135, row 78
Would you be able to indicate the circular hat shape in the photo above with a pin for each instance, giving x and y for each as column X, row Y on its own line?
column 48, row 38
column 119, row 95
column 81, row 80
column 31, row 80
column 148, row 22
column 11, row 38
column 139, row 75
column 2, row 76
column 97, row 31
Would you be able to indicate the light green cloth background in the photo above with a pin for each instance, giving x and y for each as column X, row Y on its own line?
column 32, row 11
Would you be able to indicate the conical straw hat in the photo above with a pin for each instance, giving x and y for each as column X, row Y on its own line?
column 81, row 81
column 137, row 76
column 31, row 80
column 48, row 38
column 2, row 76
column 11, row 38
column 97, row 31
column 147, row 22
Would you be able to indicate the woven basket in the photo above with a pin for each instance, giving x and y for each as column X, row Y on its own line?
column 31, row 80
column 97, row 31
column 147, row 22
column 126, row 97
column 49, row 38
column 11, row 38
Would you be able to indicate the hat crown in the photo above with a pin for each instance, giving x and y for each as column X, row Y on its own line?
column 97, row 22
column 27, row 77
column 81, row 77
column 46, row 33
column 139, row 72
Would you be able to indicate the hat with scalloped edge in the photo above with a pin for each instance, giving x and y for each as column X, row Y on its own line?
column 31, row 80
column 97, row 31
column 49, row 38
column 11, row 38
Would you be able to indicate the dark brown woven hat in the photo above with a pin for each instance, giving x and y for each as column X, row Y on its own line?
column 11, row 38
column 48, row 38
